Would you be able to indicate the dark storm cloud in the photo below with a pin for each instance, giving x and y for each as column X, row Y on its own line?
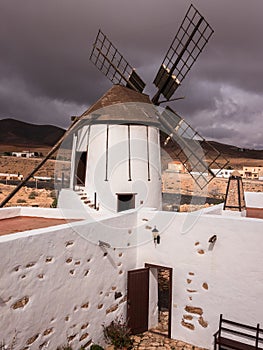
column 46, row 76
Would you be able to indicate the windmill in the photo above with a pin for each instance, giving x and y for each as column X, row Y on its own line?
column 190, row 40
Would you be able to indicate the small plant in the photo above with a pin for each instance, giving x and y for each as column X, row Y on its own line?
column 33, row 195
column 21, row 200
column 54, row 203
column 96, row 347
column 53, row 194
column 118, row 333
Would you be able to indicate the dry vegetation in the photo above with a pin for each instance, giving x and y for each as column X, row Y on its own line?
column 184, row 184
column 27, row 196
column 172, row 182
column 24, row 166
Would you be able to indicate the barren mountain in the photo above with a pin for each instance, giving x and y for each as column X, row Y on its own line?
column 17, row 133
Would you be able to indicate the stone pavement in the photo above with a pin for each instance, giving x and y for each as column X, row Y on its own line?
column 154, row 341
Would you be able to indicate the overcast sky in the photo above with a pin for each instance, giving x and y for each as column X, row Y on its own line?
column 46, row 75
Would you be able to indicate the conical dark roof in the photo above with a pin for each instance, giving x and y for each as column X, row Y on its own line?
column 123, row 105
column 118, row 94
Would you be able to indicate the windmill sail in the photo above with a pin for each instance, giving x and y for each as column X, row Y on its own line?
column 187, row 45
column 113, row 65
column 197, row 155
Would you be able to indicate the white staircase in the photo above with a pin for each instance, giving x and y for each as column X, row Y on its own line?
column 85, row 199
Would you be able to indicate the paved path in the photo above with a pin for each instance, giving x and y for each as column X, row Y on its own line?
column 153, row 341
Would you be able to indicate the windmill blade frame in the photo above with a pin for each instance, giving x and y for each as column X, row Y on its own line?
column 113, row 65
column 190, row 40
column 197, row 155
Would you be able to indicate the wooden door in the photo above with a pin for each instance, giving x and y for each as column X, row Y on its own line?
column 138, row 300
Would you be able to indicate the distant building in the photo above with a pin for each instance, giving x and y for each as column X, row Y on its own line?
column 6, row 176
column 250, row 172
column 175, row 167
column 42, row 178
column 25, row 154
column 224, row 173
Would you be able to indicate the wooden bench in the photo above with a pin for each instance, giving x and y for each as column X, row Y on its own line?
column 238, row 336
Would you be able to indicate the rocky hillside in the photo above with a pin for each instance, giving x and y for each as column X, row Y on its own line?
column 17, row 133
column 231, row 151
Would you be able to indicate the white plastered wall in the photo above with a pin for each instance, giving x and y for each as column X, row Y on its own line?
column 56, row 287
column 111, row 176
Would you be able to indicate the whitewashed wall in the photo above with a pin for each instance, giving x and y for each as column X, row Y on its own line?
column 207, row 280
column 118, row 164
column 56, row 287
column 254, row 199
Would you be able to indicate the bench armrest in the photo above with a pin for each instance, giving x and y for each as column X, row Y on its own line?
column 216, row 333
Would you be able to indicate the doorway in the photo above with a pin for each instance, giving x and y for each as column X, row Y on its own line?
column 81, row 165
column 125, row 201
column 149, row 304
column 161, row 295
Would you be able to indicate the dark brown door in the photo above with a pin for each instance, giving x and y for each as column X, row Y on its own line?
column 138, row 300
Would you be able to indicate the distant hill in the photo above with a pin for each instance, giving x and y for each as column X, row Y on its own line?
column 18, row 133
column 230, row 151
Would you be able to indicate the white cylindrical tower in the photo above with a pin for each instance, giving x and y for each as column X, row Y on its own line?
column 117, row 152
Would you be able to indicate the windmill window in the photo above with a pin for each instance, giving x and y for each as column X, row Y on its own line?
column 125, row 201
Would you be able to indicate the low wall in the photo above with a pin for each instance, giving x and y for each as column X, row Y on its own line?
column 56, row 213
column 255, row 213
column 6, row 213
